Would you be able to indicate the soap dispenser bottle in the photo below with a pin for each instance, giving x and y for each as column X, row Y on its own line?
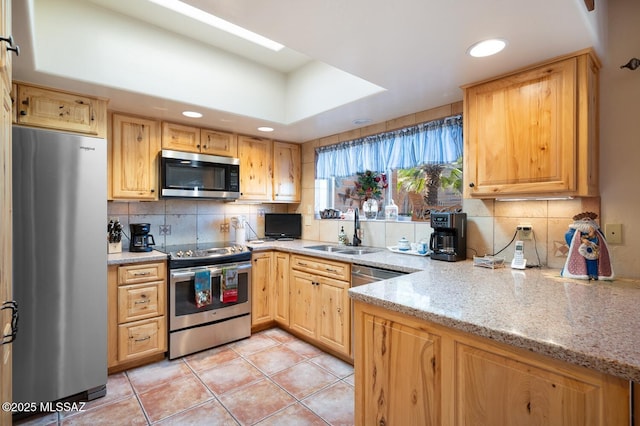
column 342, row 237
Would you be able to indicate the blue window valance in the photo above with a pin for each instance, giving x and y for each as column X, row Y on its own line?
column 434, row 142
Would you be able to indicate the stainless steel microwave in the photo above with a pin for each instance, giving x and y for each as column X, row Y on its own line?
column 191, row 175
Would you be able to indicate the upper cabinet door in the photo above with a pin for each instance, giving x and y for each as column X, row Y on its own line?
column 180, row 138
column 60, row 110
column 286, row 172
column 135, row 149
column 255, row 168
column 218, row 143
column 523, row 132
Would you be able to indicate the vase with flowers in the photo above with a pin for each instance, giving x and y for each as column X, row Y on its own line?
column 369, row 190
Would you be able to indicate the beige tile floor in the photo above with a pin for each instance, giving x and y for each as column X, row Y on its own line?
column 271, row 378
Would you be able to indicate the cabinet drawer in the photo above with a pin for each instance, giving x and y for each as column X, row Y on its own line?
column 140, row 301
column 141, row 338
column 139, row 273
column 327, row 268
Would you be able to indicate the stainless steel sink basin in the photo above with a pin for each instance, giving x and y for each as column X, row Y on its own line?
column 344, row 249
column 327, row 247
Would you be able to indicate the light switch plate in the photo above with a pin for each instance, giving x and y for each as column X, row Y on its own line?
column 613, row 233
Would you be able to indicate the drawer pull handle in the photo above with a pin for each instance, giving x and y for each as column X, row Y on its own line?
column 332, row 270
column 141, row 274
column 142, row 339
column 302, row 264
column 139, row 302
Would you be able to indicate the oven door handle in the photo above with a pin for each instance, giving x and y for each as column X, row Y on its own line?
column 189, row 274
column 214, row 270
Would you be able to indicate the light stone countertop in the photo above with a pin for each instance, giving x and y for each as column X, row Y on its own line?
column 135, row 257
column 595, row 324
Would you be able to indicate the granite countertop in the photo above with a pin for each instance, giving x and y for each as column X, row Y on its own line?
column 595, row 324
column 135, row 257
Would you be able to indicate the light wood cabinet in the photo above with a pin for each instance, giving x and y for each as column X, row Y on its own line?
column 413, row 372
column 402, row 376
column 133, row 163
column 55, row 109
column 215, row 142
column 255, row 168
column 286, row 172
column 534, row 132
column 180, row 137
column 319, row 301
column 136, row 306
column 261, row 289
column 193, row 139
column 269, row 170
column 281, row 281
column 6, row 231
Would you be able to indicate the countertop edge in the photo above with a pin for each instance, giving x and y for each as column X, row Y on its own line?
column 126, row 257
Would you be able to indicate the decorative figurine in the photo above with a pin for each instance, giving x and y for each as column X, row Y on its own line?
column 588, row 257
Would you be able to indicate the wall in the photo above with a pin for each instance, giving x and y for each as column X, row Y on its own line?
column 190, row 220
column 620, row 133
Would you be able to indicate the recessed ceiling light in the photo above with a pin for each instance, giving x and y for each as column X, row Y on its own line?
column 359, row 121
column 265, row 129
column 219, row 23
column 191, row 114
column 486, row 47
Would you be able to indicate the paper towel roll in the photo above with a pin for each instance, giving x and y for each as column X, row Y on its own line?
column 241, row 236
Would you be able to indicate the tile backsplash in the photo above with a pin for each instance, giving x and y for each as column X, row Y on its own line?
column 186, row 221
column 491, row 227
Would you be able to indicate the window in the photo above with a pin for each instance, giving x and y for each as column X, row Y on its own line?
column 423, row 166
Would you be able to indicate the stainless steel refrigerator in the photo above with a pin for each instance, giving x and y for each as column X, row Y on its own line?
column 60, row 268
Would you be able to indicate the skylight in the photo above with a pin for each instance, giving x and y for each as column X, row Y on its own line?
column 219, row 23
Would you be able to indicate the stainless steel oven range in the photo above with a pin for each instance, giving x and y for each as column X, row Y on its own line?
column 216, row 321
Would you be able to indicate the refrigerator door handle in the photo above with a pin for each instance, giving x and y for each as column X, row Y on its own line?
column 13, row 305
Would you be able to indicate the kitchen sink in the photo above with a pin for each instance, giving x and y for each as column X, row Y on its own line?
column 343, row 249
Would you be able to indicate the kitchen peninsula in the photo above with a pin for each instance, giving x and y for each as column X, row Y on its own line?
column 464, row 343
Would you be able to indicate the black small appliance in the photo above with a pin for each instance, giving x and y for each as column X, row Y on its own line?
column 449, row 238
column 282, row 226
column 140, row 240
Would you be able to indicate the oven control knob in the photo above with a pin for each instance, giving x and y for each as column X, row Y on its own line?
column 232, row 249
column 189, row 253
column 179, row 253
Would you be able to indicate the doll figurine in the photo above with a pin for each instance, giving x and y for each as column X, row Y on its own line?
column 588, row 257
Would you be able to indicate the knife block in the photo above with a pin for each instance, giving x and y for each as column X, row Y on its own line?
column 114, row 247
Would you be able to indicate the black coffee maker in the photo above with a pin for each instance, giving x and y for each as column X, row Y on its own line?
column 449, row 238
column 140, row 240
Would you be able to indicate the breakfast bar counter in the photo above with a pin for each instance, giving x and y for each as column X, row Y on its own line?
column 593, row 324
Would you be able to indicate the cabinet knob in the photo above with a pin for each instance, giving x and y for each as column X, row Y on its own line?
column 153, row 190
column 15, row 49
column 471, row 185
column 198, row 146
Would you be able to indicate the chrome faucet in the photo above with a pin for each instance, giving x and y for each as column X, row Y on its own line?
column 356, row 229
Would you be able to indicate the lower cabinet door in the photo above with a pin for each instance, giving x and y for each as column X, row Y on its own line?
column 334, row 327
column 303, row 316
column 141, row 338
column 494, row 389
column 400, row 382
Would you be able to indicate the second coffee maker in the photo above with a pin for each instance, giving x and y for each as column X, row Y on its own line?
column 141, row 240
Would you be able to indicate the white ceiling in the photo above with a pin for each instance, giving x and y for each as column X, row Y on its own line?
column 345, row 60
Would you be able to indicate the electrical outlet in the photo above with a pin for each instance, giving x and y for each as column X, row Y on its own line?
column 524, row 231
column 613, row 233
column 224, row 227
